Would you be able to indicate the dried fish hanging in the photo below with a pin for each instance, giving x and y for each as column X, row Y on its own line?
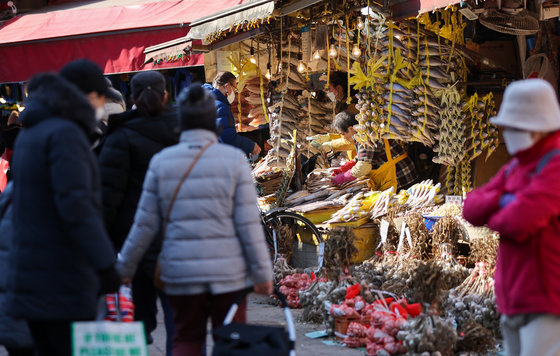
column 478, row 135
column 396, row 98
column 284, row 113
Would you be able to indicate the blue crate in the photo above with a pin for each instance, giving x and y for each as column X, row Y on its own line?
column 430, row 221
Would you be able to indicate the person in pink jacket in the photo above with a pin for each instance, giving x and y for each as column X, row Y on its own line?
column 522, row 203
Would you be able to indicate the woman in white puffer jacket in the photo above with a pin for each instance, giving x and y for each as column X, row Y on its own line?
column 214, row 244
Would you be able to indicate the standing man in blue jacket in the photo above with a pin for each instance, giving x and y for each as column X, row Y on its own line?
column 224, row 89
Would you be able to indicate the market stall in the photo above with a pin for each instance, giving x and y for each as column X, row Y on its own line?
column 402, row 272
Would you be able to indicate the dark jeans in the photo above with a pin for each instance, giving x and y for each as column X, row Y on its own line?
column 191, row 313
column 144, row 295
column 51, row 338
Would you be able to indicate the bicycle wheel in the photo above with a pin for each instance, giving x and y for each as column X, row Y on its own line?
column 296, row 237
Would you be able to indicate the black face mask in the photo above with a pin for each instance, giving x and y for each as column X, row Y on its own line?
column 9, row 135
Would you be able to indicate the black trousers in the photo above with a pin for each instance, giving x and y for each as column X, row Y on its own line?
column 51, row 338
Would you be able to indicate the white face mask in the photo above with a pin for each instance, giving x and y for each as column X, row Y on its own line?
column 517, row 141
column 331, row 96
column 100, row 114
column 231, row 96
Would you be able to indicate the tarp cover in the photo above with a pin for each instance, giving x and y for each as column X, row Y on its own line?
column 114, row 37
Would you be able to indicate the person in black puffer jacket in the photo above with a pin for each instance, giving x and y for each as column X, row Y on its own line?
column 133, row 137
column 62, row 258
column 14, row 333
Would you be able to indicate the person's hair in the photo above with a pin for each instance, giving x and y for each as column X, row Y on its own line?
column 223, row 78
column 197, row 109
column 150, row 102
column 339, row 78
column 343, row 121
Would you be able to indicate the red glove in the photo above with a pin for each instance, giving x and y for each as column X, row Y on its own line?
column 344, row 168
column 342, row 178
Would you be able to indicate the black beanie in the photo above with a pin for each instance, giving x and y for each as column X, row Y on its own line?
column 86, row 75
column 147, row 80
column 197, row 108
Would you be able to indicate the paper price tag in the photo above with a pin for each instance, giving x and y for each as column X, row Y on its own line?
column 275, row 245
column 401, row 238
column 454, row 199
column 408, row 237
column 321, row 256
column 384, row 230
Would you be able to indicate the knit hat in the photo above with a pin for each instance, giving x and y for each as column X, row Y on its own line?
column 529, row 105
column 150, row 80
column 197, row 108
column 86, row 75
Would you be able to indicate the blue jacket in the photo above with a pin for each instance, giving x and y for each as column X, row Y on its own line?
column 60, row 242
column 225, row 123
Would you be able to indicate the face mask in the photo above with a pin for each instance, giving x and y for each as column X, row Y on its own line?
column 100, row 114
column 231, row 97
column 331, row 96
column 517, row 141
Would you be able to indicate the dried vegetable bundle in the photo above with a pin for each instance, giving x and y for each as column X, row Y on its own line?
column 428, row 335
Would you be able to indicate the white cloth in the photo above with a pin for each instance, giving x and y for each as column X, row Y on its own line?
column 531, row 335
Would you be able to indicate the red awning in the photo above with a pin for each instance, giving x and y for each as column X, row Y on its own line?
column 114, row 37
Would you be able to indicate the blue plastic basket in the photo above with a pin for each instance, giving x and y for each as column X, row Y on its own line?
column 430, row 221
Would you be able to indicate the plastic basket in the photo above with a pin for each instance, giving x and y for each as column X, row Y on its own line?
column 341, row 325
column 430, row 221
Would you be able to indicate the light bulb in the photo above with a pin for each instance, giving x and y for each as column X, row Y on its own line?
column 360, row 24
column 356, row 52
column 301, row 67
column 268, row 75
column 332, row 51
column 253, row 59
column 316, row 55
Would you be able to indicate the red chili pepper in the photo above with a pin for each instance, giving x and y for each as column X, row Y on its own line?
column 414, row 309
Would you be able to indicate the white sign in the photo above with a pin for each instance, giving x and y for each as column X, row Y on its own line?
column 454, row 199
column 94, row 338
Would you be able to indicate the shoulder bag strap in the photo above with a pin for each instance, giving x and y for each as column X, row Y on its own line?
column 181, row 183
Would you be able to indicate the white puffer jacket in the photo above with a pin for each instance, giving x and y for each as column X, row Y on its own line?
column 214, row 235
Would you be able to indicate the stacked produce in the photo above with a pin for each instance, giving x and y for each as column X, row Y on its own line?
column 428, row 335
column 257, row 89
column 241, row 111
column 291, row 285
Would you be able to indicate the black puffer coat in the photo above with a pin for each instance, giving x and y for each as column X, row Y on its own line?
column 59, row 239
column 131, row 141
column 14, row 333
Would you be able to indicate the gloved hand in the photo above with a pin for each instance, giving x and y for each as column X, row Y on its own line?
column 344, row 168
column 344, row 177
column 506, row 199
column 109, row 279
column 319, row 139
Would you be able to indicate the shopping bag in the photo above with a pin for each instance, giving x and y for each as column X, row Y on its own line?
column 108, row 338
column 119, row 306
column 234, row 339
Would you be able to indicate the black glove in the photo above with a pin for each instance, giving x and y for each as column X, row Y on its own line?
column 109, row 279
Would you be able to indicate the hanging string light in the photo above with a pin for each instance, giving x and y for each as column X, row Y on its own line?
column 316, row 55
column 268, row 75
column 356, row 51
column 360, row 24
column 252, row 58
column 301, row 66
column 332, row 48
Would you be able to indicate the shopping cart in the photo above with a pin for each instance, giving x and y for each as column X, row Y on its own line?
column 233, row 339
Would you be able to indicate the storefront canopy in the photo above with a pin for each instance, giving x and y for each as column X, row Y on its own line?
column 113, row 36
